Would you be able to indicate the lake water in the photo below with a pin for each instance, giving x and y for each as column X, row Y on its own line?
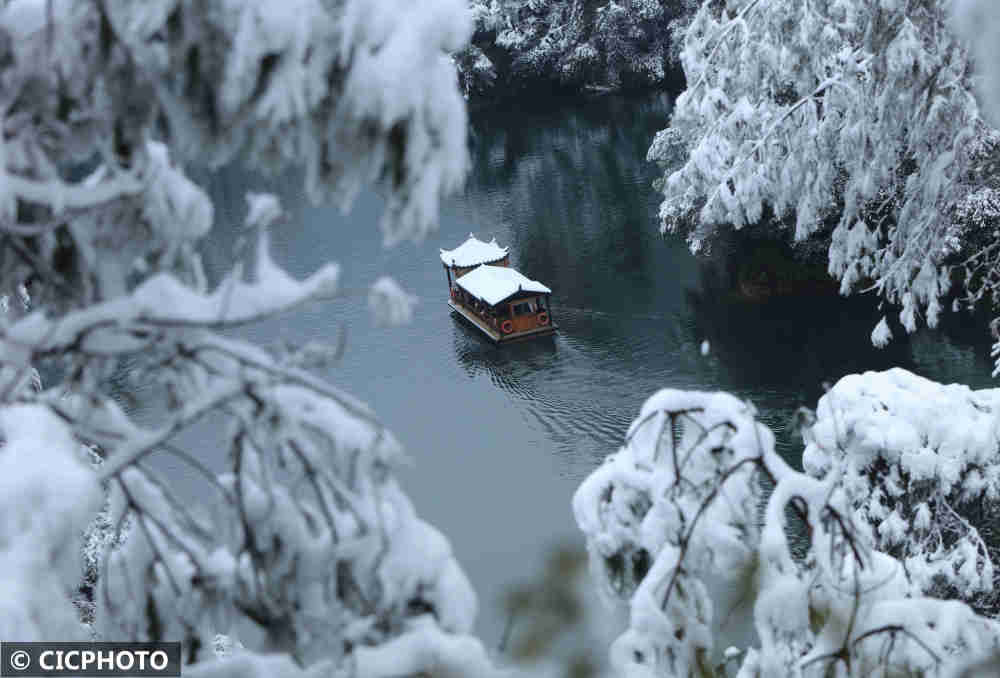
column 501, row 437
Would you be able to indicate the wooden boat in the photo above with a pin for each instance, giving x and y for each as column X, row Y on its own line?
column 504, row 304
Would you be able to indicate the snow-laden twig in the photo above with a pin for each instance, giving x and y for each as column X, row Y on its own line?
column 61, row 196
column 679, row 541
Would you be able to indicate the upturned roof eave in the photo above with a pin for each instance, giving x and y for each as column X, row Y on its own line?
column 478, row 263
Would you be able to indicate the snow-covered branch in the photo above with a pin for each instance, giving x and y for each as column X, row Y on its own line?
column 305, row 550
column 60, row 196
column 918, row 463
column 126, row 324
column 860, row 126
column 674, row 529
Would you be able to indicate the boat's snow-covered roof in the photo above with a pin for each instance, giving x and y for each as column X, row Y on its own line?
column 493, row 284
column 473, row 252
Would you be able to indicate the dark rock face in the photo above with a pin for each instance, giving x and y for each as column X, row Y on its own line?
column 572, row 45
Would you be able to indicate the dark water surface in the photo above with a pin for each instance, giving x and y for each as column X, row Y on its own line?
column 501, row 437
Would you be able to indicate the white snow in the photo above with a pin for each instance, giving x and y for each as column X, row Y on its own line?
column 881, row 334
column 401, row 78
column 263, row 209
column 747, row 146
column 473, row 252
column 48, row 496
column 909, row 452
column 174, row 205
column 424, row 650
column 163, row 300
column 389, row 303
column 632, row 511
column 900, row 415
column 673, row 525
column 419, row 565
column 493, row 284
column 305, row 551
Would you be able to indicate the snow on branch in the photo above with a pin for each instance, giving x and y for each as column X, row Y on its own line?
column 427, row 651
column 652, row 522
column 47, row 496
column 675, row 530
column 305, row 551
column 60, row 196
column 129, row 323
column 919, row 463
column 860, row 127
column 389, row 303
column 311, row 521
column 257, row 77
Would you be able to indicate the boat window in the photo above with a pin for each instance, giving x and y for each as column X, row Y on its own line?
column 524, row 308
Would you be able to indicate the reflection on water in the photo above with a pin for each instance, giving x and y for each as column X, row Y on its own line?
column 501, row 436
column 547, row 376
column 570, row 189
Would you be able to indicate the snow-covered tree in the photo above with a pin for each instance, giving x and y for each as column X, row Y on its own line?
column 920, row 464
column 572, row 44
column 306, row 549
column 855, row 120
column 719, row 576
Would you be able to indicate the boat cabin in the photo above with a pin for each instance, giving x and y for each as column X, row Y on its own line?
column 503, row 303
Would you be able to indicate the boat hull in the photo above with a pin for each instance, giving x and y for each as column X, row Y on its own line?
column 498, row 337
